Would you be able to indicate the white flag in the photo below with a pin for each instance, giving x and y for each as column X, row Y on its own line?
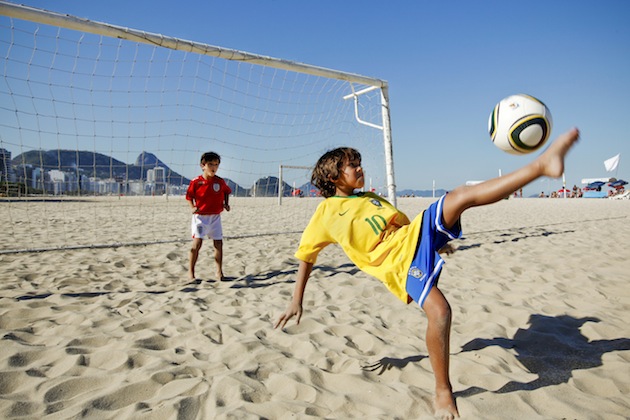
column 611, row 164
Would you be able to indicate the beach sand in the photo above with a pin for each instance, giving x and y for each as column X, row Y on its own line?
column 539, row 291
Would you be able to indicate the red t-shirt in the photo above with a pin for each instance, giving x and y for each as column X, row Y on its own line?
column 208, row 195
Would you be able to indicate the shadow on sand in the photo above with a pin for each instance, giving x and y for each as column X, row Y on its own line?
column 551, row 348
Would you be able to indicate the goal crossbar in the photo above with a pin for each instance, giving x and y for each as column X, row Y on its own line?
column 100, row 28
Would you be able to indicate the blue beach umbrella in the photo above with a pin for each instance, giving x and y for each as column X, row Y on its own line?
column 595, row 185
column 618, row 184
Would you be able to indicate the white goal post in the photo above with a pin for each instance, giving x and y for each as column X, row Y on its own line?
column 74, row 88
column 294, row 192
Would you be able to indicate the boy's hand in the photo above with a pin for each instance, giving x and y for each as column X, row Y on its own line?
column 226, row 207
column 447, row 249
column 292, row 310
column 194, row 210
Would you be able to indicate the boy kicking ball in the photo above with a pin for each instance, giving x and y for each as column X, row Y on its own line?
column 381, row 241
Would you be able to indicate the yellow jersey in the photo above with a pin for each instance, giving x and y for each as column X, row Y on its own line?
column 378, row 238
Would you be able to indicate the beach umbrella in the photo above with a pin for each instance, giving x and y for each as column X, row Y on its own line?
column 595, row 185
column 618, row 184
column 564, row 191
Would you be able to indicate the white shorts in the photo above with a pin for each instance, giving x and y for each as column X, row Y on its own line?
column 206, row 226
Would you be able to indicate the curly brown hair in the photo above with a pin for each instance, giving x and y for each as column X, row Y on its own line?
column 328, row 168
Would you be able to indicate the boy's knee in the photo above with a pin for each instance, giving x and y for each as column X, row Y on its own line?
column 444, row 311
column 439, row 312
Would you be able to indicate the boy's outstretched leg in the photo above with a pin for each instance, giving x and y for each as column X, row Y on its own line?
column 438, row 344
column 550, row 163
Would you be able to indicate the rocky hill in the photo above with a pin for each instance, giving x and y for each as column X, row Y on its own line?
column 97, row 164
column 101, row 166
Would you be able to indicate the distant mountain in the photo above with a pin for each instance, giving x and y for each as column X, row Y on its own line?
column 149, row 160
column 97, row 165
column 268, row 187
column 237, row 190
column 309, row 190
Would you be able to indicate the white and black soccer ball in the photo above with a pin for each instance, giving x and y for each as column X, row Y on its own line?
column 520, row 124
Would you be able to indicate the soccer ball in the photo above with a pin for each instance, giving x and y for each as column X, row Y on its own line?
column 520, row 124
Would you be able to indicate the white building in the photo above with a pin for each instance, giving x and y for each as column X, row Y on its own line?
column 156, row 175
column 57, row 180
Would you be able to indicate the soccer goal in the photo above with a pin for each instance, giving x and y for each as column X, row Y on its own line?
column 103, row 126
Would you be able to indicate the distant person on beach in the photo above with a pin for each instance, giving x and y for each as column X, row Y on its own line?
column 208, row 195
column 403, row 254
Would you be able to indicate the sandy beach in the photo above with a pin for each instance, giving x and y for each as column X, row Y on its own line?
column 539, row 290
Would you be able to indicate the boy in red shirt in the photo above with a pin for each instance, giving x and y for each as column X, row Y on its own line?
column 207, row 196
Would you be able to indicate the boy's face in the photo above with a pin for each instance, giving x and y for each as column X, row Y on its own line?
column 350, row 177
column 210, row 168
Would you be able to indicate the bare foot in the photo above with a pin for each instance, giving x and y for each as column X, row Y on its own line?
column 552, row 160
column 445, row 407
column 191, row 275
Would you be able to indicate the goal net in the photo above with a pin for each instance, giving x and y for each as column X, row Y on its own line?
column 103, row 127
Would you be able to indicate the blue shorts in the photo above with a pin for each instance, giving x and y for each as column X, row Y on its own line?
column 426, row 266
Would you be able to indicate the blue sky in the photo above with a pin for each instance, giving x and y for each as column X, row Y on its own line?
column 447, row 64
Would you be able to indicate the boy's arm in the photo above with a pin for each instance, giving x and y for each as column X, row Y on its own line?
column 226, row 201
column 191, row 203
column 295, row 307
